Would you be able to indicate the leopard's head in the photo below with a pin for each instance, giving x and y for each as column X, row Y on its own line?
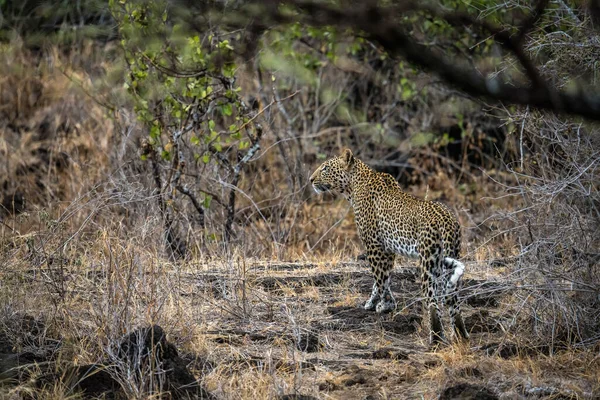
column 334, row 174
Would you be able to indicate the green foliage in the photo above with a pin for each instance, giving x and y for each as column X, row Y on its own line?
column 179, row 78
column 406, row 88
column 298, row 55
column 422, row 139
column 182, row 81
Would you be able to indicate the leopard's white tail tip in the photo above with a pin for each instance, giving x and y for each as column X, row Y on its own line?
column 458, row 269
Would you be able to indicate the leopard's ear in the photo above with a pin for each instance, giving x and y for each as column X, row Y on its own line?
column 348, row 157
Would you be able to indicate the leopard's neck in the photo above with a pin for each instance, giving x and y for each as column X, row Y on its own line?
column 359, row 173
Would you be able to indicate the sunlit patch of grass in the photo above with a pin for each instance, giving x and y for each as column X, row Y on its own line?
column 348, row 300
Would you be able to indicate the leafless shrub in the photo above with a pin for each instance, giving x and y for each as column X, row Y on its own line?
column 555, row 228
column 554, row 179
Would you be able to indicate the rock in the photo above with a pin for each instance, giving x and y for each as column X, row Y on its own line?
column 137, row 348
column 465, row 391
column 94, row 380
column 144, row 351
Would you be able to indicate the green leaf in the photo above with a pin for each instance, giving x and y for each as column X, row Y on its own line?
column 205, row 158
column 206, row 202
column 421, row 139
column 154, row 131
column 227, row 110
column 211, row 124
column 225, row 45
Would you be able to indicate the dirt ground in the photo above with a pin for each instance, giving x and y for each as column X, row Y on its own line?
column 306, row 320
column 297, row 330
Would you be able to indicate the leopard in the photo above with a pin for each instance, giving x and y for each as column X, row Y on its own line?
column 392, row 222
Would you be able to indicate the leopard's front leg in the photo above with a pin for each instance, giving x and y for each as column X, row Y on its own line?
column 382, row 264
column 371, row 304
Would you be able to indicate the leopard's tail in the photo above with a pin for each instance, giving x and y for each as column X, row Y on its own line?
column 457, row 268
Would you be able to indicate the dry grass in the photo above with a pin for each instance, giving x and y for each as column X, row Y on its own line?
column 86, row 260
column 235, row 321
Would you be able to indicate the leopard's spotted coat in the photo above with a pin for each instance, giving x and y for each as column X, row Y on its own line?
column 392, row 222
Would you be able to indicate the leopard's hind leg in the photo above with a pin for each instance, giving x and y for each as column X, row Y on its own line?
column 455, row 269
column 429, row 255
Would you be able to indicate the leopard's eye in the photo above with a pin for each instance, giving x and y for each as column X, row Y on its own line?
column 325, row 168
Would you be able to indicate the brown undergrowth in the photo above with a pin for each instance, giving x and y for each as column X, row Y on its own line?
column 275, row 314
column 264, row 329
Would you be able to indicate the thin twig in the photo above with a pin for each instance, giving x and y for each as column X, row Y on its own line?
column 197, row 205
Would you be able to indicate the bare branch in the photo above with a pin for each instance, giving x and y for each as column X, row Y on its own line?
column 378, row 24
column 197, row 206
